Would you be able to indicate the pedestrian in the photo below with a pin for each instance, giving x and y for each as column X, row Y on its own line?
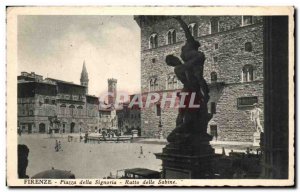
column 86, row 137
column 141, row 150
column 59, row 146
column 56, row 146
column 80, row 137
column 19, row 131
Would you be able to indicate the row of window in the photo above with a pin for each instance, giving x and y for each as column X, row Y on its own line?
column 71, row 110
column 49, row 101
column 76, row 111
column 247, row 75
column 247, row 48
column 72, row 97
column 171, row 83
column 30, row 112
column 158, row 108
column 242, row 102
column 171, row 36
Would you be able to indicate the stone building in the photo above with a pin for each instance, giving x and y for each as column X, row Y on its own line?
column 51, row 104
column 125, row 118
column 108, row 116
column 129, row 118
column 233, row 47
column 108, row 119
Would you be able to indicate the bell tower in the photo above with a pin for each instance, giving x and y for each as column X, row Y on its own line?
column 84, row 78
column 112, row 90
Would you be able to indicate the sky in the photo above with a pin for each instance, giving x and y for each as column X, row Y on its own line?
column 57, row 46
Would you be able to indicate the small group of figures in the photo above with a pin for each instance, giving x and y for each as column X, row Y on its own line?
column 190, row 121
column 19, row 130
column 109, row 134
column 57, row 146
column 141, row 154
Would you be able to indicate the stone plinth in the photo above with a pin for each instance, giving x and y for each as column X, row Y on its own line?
column 187, row 161
column 256, row 139
column 186, row 167
column 135, row 133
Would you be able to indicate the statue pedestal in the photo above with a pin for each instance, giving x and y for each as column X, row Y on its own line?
column 134, row 133
column 256, row 139
column 187, row 162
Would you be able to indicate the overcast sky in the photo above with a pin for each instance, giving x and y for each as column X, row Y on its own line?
column 56, row 46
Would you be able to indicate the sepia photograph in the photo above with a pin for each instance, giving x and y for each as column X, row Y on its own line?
column 150, row 96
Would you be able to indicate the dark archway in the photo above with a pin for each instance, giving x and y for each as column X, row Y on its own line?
column 29, row 128
column 42, row 128
column 139, row 131
column 72, row 127
column 213, row 77
column 248, row 47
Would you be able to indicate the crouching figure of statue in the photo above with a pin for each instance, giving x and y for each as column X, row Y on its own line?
column 191, row 122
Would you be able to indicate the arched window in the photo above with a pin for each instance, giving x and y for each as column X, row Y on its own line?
column 248, row 47
column 153, row 84
column 213, row 108
column 214, row 25
column 150, row 85
column 158, row 109
column 63, row 109
column 42, row 128
column 175, row 82
column 247, row 20
column 213, row 77
column 172, row 82
column 171, row 37
column 193, row 29
column 247, row 73
column 153, row 41
column 72, row 109
column 79, row 109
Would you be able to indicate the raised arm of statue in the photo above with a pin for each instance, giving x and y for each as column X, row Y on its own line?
column 184, row 26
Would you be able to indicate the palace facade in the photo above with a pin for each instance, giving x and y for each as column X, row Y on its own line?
column 233, row 47
column 46, row 105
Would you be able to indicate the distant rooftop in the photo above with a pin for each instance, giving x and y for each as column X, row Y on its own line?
column 32, row 76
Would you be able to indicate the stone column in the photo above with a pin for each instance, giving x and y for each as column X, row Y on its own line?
column 276, row 94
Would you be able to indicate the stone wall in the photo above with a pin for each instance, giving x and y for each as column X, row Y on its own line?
column 150, row 119
column 233, row 124
column 34, row 111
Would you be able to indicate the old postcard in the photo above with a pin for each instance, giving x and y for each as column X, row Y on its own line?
column 150, row 96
